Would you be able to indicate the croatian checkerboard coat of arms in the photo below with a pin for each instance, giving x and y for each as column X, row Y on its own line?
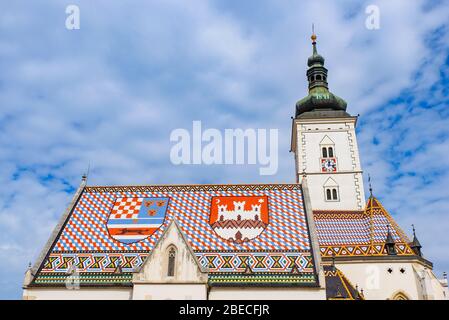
column 239, row 219
column 134, row 219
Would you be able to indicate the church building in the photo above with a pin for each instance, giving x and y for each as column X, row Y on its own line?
column 318, row 238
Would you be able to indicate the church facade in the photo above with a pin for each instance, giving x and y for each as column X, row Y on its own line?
column 318, row 238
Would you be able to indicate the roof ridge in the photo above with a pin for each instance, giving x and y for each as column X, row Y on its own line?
column 191, row 184
column 338, row 211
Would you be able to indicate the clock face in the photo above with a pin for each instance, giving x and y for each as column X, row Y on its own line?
column 329, row 165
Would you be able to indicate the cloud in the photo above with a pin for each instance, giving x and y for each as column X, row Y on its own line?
column 110, row 93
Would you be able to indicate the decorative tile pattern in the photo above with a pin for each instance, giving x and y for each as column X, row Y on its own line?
column 87, row 278
column 287, row 230
column 358, row 233
column 94, row 262
column 133, row 219
column 262, row 279
column 257, row 262
column 126, row 208
column 86, row 244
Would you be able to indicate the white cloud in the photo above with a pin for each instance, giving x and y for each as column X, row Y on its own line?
column 110, row 93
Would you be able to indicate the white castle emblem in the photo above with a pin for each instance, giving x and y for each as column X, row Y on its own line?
column 238, row 224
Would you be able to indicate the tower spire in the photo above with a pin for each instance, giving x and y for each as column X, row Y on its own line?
column 319, row 98
column 415, row 245
column 390, row 243
column 313, row 37
column 317, row 73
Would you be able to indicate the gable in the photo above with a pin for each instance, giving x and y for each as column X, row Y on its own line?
column 327, row 141
column 330, row 183
column 186, row 267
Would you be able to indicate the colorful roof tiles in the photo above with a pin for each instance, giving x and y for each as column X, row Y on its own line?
column 263, row 227
column 358, row 233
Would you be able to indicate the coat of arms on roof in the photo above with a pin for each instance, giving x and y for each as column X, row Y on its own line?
column 134, row 219
column 239, row 219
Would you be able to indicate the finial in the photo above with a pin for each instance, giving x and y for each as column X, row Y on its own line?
column 390, row 243
column 415, row 244
column 445, row 275
column 29, row 265
column 86, row 174
column 370, row 187
column 313, row 37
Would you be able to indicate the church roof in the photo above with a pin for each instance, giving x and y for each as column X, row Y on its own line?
column 110, row 231
column 359, row 233
column 338, row 287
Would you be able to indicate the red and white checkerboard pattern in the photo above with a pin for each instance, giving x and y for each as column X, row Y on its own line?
column 126, row 208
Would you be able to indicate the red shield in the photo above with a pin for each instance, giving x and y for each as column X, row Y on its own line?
column 239, row 219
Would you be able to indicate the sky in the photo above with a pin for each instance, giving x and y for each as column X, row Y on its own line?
column 108, row 95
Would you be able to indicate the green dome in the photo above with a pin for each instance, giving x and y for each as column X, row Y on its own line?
column 315, row 59
column 319, row 99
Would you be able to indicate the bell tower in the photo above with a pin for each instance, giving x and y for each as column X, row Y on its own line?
column 325, row 145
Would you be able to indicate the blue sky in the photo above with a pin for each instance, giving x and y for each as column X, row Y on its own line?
column 110, row 93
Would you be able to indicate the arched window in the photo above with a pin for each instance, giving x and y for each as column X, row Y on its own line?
column 324, row 152
column 400, row 296
column 331, row 194
column 318, row 77
column 328, row 152
column 327, row 146
column 334, row 194
column 171, row 262
column 328, row 194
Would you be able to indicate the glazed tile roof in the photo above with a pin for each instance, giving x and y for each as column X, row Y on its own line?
column 119, row 226
column 338, row 286
column 358, row 233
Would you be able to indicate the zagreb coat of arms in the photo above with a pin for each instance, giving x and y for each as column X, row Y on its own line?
column 134, row 219
column 240, row 218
